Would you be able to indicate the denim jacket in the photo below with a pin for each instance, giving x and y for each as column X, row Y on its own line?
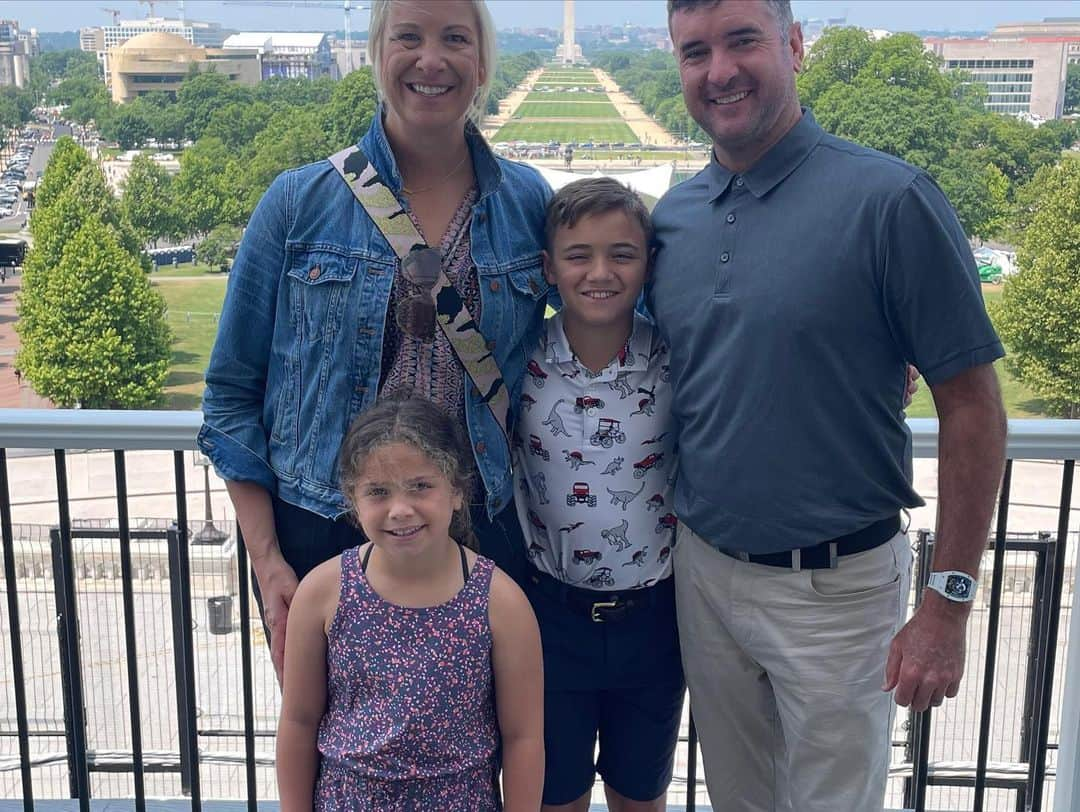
column 300, row 342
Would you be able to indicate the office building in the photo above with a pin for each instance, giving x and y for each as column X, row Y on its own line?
column 160, row 61
column 292, row 55
column 1023, row 76
column 16, row 48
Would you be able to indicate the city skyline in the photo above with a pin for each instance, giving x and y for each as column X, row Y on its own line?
column 897, row 15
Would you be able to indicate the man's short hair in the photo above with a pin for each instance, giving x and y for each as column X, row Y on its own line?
column 781, row 10
column 591, row 196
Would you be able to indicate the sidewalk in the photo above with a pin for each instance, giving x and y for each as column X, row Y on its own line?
column 13, row 395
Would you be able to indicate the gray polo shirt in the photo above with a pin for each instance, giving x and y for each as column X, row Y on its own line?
column 792, row 296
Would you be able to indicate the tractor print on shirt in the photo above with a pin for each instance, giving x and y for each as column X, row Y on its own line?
column 616, row 536
column 666, row 522
column 587, row 556
column 638, row 558
column 576, row 460
column 601, row 577
column 536, row 373
column 584, row 403
column 654, row 502
column 647, row 464
column 580, row 494
column 608, row 432
column 536, row 447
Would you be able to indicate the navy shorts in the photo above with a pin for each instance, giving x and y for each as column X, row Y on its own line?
column 620, row 680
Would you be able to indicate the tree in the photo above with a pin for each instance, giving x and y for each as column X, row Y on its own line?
column 219, row 245
column 836, row 58
column 205, row 191
column 147, row 201
column 92, row 330
column 1072, row 89
column 200, row 95
column 978, row 191
column 1039, row 312
column 349, row 112
column 129, row 128
column 66, row 160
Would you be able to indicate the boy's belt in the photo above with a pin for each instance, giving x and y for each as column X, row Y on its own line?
column 601, row 606
column 825, row 555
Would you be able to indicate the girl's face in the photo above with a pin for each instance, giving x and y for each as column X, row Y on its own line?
column 404, row 501
column 430, row 63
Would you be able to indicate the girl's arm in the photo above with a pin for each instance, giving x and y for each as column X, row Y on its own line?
column 519, row 694
column 304, row 691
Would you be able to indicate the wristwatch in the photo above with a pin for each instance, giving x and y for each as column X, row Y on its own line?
column 956, row 586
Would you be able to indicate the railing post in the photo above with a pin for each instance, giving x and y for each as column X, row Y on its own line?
column 1067, row 779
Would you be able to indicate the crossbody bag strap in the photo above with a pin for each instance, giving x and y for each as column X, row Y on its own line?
column 451, row 313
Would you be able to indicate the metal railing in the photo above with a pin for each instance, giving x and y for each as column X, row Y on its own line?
column 86, row 563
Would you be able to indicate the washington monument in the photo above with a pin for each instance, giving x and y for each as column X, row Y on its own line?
column 568, row 51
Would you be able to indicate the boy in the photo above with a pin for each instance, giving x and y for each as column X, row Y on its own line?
column 594, row 464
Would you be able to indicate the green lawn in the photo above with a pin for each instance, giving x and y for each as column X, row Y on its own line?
column 193, row 311
column 542, row 132
column 1019, row 400
column 566, row 83
column 567, row 109
column 566, row 95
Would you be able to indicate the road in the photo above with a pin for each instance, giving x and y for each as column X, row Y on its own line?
column 38, row 161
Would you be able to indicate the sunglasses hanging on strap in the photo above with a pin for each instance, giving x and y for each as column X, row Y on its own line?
column 422, row 265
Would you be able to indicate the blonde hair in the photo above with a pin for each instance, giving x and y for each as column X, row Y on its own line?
column 485, row 31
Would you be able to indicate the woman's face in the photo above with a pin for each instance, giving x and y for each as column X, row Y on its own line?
column 430, row 66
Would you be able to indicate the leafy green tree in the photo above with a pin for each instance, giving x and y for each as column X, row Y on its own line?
column 1039, row 312
column 66, row 160
column 292, row 138
column 128, row 127
column 348, row 114
column 1072, row 89
column 200, row 95
column 978, row 191
column 219, row 245
column 836, row 58
column 147, row 202
column 92, row 330
column 205, row 191
column 237, row 123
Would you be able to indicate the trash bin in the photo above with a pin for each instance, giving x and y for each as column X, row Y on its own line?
column 219, row 611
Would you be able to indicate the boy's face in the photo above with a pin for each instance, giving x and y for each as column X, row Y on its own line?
column 599, row 266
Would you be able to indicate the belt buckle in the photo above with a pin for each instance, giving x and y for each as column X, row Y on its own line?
column 596, row 607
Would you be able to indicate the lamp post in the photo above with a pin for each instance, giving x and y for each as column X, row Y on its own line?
column 209, row 534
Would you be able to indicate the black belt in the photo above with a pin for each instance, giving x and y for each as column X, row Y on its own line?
column 601, row 606
column 825, row 554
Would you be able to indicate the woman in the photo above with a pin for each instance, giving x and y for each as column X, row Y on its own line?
column 321, row 319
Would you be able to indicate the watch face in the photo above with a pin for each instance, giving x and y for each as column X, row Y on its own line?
column 958, row 586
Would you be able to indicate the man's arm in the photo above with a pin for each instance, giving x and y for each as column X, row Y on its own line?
column 926, row 659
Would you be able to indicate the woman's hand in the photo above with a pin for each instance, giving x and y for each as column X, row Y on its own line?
column 277, row 584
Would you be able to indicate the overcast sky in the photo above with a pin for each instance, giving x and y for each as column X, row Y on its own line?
column 896, row 15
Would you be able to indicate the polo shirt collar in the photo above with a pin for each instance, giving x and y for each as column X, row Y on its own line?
column 633, row 358
column 774, row 165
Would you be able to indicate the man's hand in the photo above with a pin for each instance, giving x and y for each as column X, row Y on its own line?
column 926, row 658
column 912, row 385
column 277, row 584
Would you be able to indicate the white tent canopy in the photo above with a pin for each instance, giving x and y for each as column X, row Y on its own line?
column 653, row 181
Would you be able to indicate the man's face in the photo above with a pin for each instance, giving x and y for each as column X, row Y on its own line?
column 738, row 76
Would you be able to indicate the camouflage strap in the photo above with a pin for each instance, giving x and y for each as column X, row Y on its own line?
column 451, row 314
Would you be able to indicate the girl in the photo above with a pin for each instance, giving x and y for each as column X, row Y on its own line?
column 409, row 658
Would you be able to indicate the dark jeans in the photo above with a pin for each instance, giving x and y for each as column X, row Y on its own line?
column 307, row 539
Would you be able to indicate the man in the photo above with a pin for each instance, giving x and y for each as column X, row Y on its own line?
column 796, row 276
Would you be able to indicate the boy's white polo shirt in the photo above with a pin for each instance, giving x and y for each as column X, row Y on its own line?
column 594, row 463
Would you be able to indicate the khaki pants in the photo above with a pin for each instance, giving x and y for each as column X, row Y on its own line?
column 785, row 671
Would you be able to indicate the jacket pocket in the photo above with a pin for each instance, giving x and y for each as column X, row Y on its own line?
column 319, row 286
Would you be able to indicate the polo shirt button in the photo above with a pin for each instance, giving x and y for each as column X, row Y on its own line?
column 481, row 447
column 739, row 181
column 731, row 217
column 590, row 411
column 313, row 274
column 724, row 257
column 494, row 286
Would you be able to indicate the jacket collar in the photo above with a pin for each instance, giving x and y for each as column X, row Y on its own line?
column 376, row 147
column 775, row 165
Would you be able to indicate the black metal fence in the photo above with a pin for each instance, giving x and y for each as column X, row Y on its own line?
column 129, row 678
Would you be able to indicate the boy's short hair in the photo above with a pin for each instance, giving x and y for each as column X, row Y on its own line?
column 590, row 196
